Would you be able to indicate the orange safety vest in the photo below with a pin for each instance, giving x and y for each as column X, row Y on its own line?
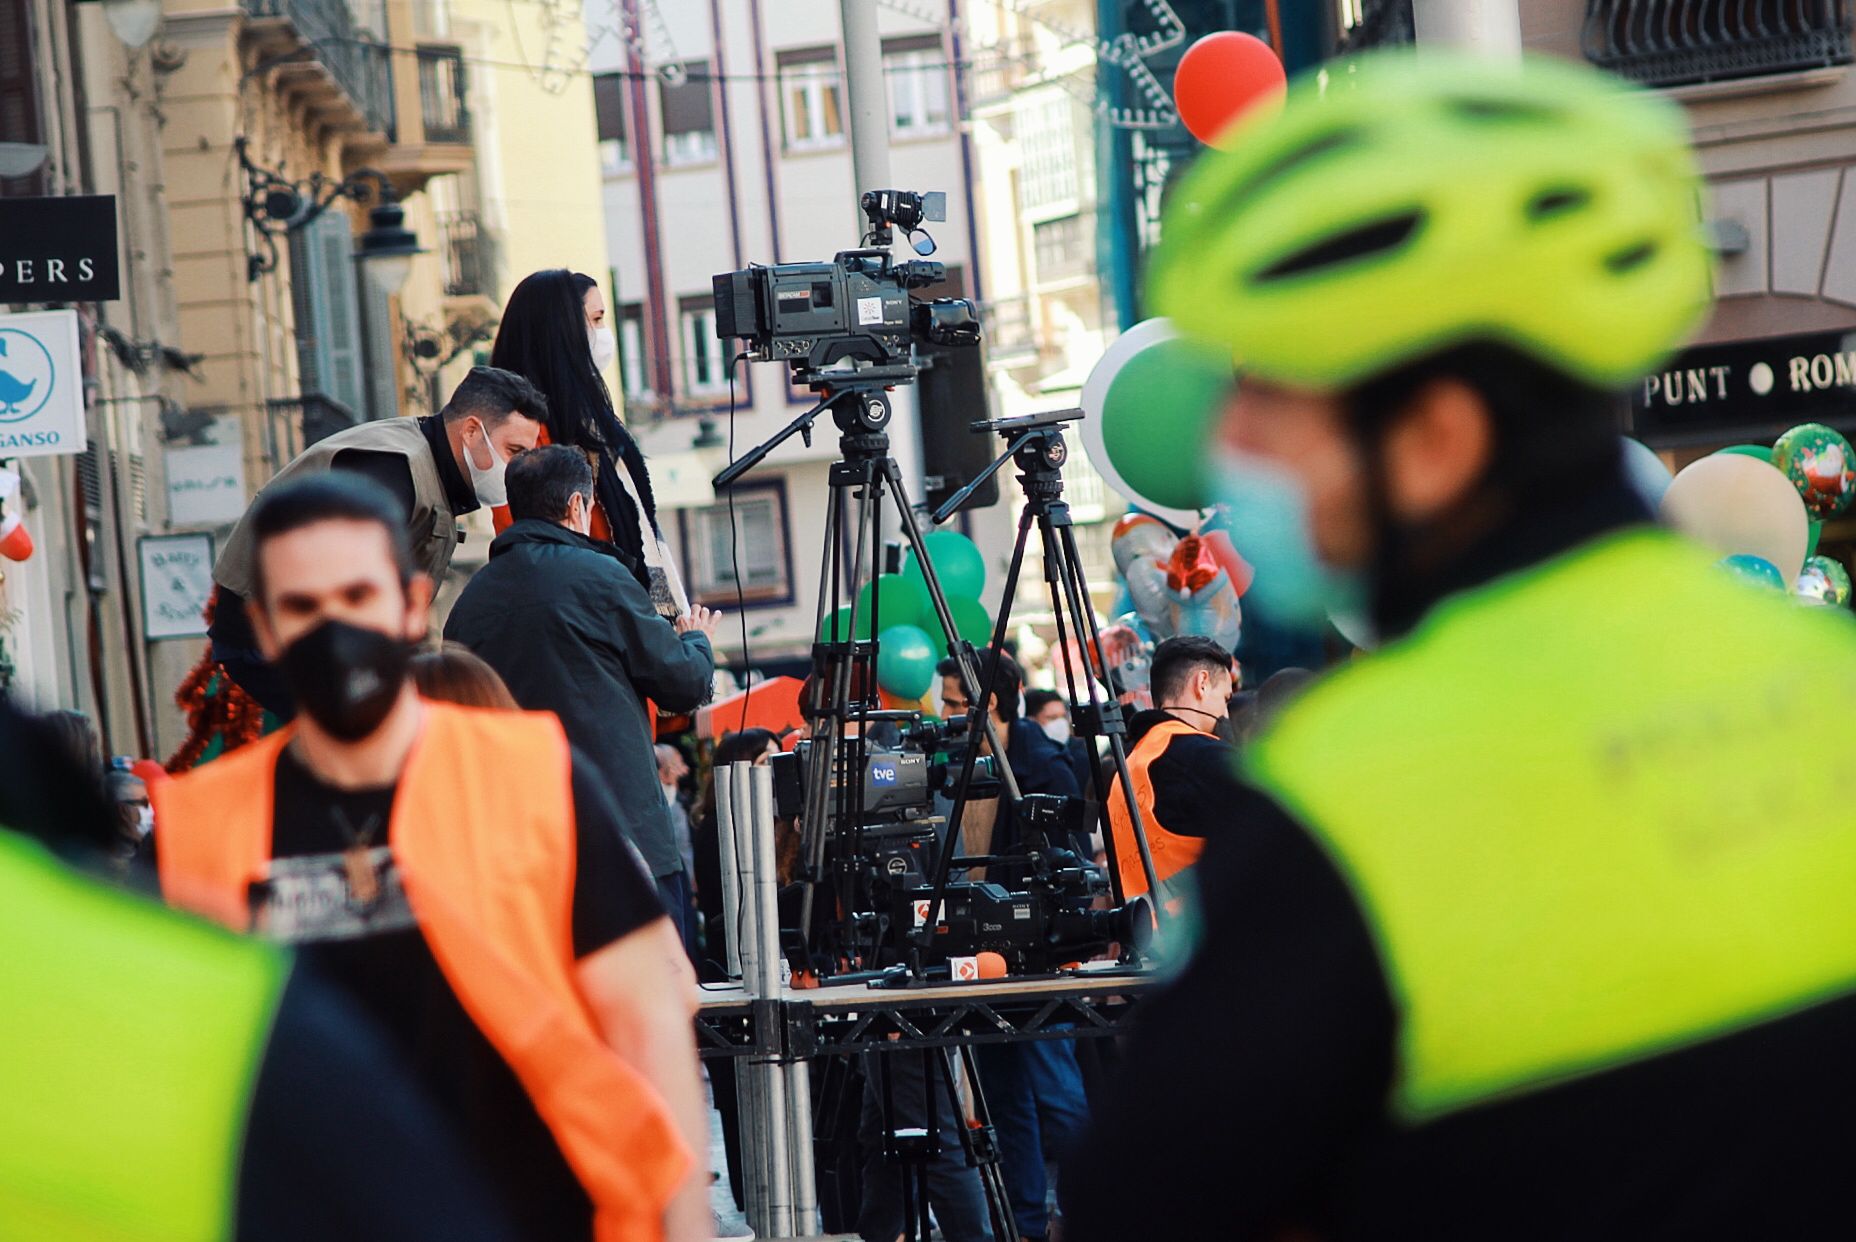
column 1172, row 853
column 488, row 867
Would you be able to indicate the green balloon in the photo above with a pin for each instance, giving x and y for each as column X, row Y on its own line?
column 971, row 620
column 905, row 661
column 958, row 566
column 902, row 600
column 837, row 627
column 1761, row 451
column 1157, row 419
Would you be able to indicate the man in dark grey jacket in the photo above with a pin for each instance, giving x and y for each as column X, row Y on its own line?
column 565, row 622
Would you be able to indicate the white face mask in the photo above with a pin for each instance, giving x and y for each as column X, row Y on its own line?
column 487, row 482
column 145, row 820
column 604, row 345
column 1058, row 730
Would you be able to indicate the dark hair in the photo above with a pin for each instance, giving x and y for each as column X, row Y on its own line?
column 1177, row 659
column 76, row 737
column 1037, row 700
column 1010, row 679
column 543, row 336
column 492, row 395
column 333, row 496
column 456, row 674
column 733, row 748
column 542, row 481
column 1546, row 423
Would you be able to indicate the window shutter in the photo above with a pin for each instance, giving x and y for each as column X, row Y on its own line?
column 323, row 291
column 609, row 106
column 689, row 106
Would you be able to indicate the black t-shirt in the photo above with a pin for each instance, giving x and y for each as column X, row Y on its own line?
column 374, row 951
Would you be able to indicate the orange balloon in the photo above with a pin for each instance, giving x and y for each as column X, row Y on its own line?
column 1220, row 78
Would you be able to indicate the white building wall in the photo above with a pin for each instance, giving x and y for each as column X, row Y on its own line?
column 810, row 213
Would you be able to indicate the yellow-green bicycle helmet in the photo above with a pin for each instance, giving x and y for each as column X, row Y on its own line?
column 1403, row 202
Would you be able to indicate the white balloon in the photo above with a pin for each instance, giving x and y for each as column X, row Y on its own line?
column 1095, row 392
column 1740, row 506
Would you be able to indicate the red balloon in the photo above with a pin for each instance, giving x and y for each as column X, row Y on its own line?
column 1220, row 78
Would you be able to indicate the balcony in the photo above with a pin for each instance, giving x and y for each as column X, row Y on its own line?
column 341, row 70
column 1011, row 338
column 442, row 95
column 467, row 252
column 1687, row 42
column 316, row 417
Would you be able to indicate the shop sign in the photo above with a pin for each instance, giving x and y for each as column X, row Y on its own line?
column 59, row 249
column 177, row 578
column 1747, row 389
column 41, row 385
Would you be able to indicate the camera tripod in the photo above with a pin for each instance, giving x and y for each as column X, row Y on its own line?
column 915, row 1148
column 842, row 699
column 1036, row 446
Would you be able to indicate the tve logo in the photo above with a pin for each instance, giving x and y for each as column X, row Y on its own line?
column 883, row 773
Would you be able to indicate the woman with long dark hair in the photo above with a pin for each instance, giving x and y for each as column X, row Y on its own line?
column 554, row 332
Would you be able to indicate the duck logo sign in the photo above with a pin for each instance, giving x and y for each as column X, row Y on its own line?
column 41, row 385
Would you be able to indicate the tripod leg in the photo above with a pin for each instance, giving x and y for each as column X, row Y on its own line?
column 1117, row 750
column 992, row 1177
column 969, row 678
column 964, row 782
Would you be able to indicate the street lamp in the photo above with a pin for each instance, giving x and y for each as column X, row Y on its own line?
column 384, row 256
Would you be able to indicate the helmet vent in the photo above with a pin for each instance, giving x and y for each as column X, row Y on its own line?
column 1363, row 242
column 1620, row 262
column 1556, row 202
column 1324, row 145
column 1477, row 108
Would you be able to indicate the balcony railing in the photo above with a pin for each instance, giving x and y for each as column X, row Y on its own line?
column 468, row 254
column 1010, row 336
column 355, row 59
column 1680, row 42
column 442, row 95
column 1382, row 23
column 319, row 417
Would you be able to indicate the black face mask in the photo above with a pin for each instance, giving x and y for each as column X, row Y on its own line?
column 346, row 677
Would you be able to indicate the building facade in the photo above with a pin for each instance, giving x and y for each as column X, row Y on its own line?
column 723, row 142
column 260, row 153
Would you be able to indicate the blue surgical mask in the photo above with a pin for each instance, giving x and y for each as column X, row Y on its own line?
column 1270, row 527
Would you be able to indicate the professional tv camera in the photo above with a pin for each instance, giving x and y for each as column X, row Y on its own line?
column 1049, row 922
column 910, row 759
column 853, row 315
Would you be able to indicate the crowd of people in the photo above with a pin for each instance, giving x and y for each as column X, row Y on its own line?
column 1490, row 934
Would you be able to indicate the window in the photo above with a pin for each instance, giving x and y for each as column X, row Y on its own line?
column 1045, row 124
column 328, row 317
column 705, row 360
column 916, row 71
column 615, row 152
column 689, row 115
column 758, row 546
column 1061, row 249
column 810, row 93
column 634, row 365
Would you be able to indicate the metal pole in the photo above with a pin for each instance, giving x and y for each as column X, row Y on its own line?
column 799, row 1147
column 725, row 839
column 867, row 98
column 774, row 1120
column 1489, row 28
column 742, row 935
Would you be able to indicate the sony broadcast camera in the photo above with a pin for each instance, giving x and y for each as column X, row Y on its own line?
column 853, row 315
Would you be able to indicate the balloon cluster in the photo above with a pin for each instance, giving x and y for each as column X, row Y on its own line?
column 909, row 646
column 1174, row 585
column 1762, row 508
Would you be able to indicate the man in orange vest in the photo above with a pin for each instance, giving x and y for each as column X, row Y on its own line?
column 1178, row 763
column 462, row 873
